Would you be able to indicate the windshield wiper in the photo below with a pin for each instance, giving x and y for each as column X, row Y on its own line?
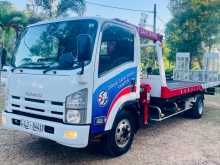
column 52, row 68
column 30, row 65
column 45, row 59
column 57, row 68
column 15, row 68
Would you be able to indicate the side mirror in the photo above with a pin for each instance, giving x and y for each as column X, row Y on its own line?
column 3, row 56
column 83, row 49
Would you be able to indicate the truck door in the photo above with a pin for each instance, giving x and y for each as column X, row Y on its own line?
column 116, row 79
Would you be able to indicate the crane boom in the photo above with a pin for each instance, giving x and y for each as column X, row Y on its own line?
column 144, row 33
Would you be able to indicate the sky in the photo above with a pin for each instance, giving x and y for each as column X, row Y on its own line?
column 133, row 17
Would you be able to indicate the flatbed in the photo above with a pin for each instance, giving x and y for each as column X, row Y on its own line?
column 175, row 88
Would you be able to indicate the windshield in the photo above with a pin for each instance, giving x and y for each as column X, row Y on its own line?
column 52, row 44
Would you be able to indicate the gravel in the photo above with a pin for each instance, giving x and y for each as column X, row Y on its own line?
column 176, row 141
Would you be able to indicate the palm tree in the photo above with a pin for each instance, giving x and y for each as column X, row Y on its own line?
column 55, row 8
column 11, row 24
column 11, row 19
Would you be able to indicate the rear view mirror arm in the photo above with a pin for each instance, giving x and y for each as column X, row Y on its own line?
column 82, row 68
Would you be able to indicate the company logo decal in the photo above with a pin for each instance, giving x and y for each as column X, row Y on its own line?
column 31, row 94
column 103, row 98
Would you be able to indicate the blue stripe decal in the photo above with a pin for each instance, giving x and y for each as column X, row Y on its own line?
column 105, row 94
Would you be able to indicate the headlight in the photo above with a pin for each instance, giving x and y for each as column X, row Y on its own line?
column 73, row 116
column 78, row 100
column 76, row 105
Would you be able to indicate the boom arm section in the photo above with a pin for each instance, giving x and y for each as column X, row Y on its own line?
column 144, row 33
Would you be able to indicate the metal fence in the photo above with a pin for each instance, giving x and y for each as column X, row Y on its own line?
column 209, row 72
column 196, row 75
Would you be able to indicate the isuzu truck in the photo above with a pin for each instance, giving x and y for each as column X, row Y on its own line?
column 79, row 80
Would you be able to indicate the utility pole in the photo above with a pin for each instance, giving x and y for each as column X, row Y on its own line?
column 155, row 18
column 155, row 30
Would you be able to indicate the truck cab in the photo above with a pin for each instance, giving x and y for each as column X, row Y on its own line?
column 81, row 80
column 70, row 78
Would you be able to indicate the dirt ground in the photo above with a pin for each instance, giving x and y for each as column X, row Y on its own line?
column 177, row 141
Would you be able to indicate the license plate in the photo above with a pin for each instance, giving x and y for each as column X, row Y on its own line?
column 34, row 126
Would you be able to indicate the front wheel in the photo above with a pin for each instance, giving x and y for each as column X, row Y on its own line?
column 120, row 139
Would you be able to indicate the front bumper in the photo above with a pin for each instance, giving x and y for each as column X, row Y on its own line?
column 80, row 141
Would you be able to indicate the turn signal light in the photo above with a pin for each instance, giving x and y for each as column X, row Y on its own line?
column 70, row 134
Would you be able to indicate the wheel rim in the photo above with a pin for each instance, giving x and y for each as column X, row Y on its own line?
column 200, row 107
column 123, row 133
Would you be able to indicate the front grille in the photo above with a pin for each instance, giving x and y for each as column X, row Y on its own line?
column 37, row 116
column 15, row 105
column 57, row 113
column 57, row 103
column 50, row 109
column 34, row 100
column 34, row 109
column 15, row 97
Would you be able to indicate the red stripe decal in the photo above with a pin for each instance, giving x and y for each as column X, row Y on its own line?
column 123, row 92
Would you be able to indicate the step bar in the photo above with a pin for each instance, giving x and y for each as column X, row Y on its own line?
column 167, row 117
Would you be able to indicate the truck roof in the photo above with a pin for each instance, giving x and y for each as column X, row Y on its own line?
column 98, row 19
column 143, row 33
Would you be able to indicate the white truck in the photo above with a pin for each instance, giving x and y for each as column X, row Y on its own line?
column 79, row 80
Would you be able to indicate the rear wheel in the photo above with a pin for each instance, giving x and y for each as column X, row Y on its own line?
column 120, row 139
column 198, row 108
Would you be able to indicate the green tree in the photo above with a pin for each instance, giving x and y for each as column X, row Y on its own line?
column 55, row 8
column 195, row 27
column 77, row 6
column 10, row 18
column 11, row 24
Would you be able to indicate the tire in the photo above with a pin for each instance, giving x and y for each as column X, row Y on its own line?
column 198, row 108
column 120, row 138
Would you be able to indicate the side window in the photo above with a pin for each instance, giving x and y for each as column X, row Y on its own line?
column 117, row 47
